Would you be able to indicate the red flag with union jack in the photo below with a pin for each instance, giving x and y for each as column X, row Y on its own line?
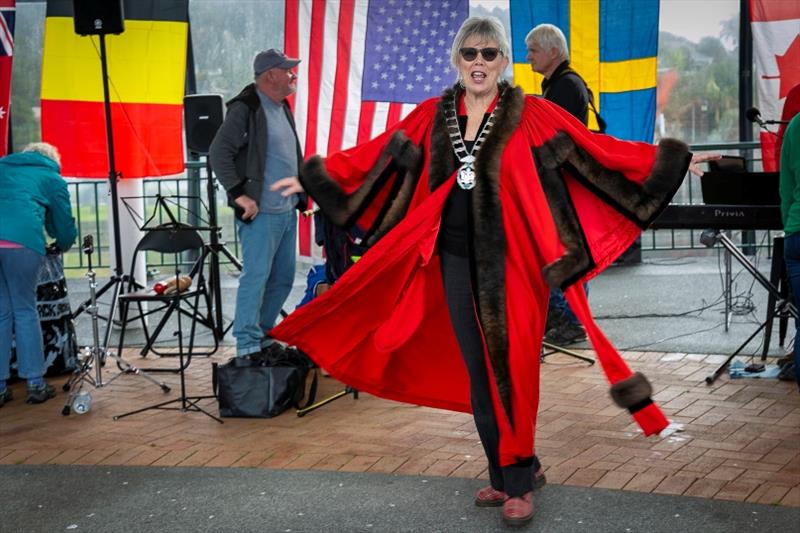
column 8, row 12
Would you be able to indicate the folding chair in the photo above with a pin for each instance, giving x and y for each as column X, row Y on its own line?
column 171, row 238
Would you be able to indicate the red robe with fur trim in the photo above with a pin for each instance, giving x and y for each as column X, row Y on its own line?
column 384, row 327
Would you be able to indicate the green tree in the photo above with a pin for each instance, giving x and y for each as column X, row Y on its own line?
column 703, row 104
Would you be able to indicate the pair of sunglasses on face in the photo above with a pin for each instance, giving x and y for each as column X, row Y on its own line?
column 470, row 53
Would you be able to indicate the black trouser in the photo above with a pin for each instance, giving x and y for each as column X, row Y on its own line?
column 516, row 479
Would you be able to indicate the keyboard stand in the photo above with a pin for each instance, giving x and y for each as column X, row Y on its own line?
column 782, row 305
column 779, row 277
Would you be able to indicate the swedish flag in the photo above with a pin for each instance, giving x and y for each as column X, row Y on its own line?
column 613, row 45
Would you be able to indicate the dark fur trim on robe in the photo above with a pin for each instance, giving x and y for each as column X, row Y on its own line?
column 633, row 393
column 400, row 157
column 487, row 230
column 640, row 203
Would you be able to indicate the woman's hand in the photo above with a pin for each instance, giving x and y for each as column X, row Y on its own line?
column 701, row 158
column 288, row 186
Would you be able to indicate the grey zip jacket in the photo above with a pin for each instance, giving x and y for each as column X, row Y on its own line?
column 237, row 151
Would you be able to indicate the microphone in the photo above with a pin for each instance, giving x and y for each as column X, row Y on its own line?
column 754, row 115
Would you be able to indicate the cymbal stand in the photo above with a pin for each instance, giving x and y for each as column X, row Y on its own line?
column 95, row 356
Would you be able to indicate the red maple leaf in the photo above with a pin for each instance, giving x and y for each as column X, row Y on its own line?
column 788, row 68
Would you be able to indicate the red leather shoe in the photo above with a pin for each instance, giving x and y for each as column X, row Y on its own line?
column 518, row 511
column 489, row 497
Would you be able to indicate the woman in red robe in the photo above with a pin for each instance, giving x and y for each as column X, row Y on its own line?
column 476, row 203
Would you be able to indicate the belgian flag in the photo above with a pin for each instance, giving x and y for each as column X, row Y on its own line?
column 146, row 71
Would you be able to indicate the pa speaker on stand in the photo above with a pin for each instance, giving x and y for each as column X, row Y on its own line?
column 98, row 17
column 202, row 116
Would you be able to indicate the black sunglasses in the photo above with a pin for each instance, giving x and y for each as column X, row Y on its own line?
column 470, row 54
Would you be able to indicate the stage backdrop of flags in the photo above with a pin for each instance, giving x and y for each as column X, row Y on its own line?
column 776, row 52
column 146, row 70
column 365, row 65
column 7, row 16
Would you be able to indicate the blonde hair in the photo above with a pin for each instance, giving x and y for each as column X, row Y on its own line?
column 45, row 149
column 489, row 28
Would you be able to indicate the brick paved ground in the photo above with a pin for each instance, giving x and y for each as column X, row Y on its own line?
column 736, row 440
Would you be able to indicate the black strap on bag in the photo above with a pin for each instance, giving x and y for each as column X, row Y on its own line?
column 601, row 123
column 261, row 387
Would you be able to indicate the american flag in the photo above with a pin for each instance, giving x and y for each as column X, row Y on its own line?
column 365, row 65
column 7, row 10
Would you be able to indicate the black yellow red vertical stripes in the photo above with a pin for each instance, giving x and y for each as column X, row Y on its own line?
column 146, row 70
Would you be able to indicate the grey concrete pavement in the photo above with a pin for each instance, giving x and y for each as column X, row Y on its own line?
column 146, row 499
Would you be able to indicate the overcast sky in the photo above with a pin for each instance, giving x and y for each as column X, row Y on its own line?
column 695, row 20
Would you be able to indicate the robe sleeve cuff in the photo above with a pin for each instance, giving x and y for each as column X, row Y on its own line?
column 651, row 419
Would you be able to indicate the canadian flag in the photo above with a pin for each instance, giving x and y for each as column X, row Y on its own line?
column 776, row 47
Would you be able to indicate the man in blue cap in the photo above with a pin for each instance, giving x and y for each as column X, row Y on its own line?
column 255, row 147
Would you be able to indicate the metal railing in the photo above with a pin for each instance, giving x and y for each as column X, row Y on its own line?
column 90, row 199
column 185, row 195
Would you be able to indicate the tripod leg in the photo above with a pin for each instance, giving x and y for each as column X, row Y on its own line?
column 232, row 258
column 565, row 351
column 721, row 368
column 127, row 368
column 325, row 401
column 112, row 311
column 775, row 279
column 189, row 406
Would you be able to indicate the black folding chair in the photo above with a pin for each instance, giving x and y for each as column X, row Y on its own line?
column 171, row 238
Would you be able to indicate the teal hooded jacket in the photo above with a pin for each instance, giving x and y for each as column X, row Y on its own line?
column 33, row 199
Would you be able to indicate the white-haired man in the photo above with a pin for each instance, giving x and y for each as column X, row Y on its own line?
column 549, row 56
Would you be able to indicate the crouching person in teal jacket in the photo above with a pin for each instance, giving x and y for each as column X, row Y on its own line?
column 34, row 199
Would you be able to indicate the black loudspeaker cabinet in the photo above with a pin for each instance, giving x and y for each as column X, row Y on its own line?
column 98, row 17
column 202, row 117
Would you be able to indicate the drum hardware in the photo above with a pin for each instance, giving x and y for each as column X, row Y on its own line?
column 94, row 357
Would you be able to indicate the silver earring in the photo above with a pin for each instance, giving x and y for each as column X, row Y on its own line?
column 461, row 83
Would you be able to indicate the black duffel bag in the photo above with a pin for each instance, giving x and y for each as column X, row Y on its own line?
column 263, row 385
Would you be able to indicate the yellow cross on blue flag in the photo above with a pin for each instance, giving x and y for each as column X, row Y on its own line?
column 613, row 45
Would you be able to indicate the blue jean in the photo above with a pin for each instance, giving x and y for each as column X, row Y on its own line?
column 791, row 254
column 268, row 259
column 19, row 270
column 559, row 301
